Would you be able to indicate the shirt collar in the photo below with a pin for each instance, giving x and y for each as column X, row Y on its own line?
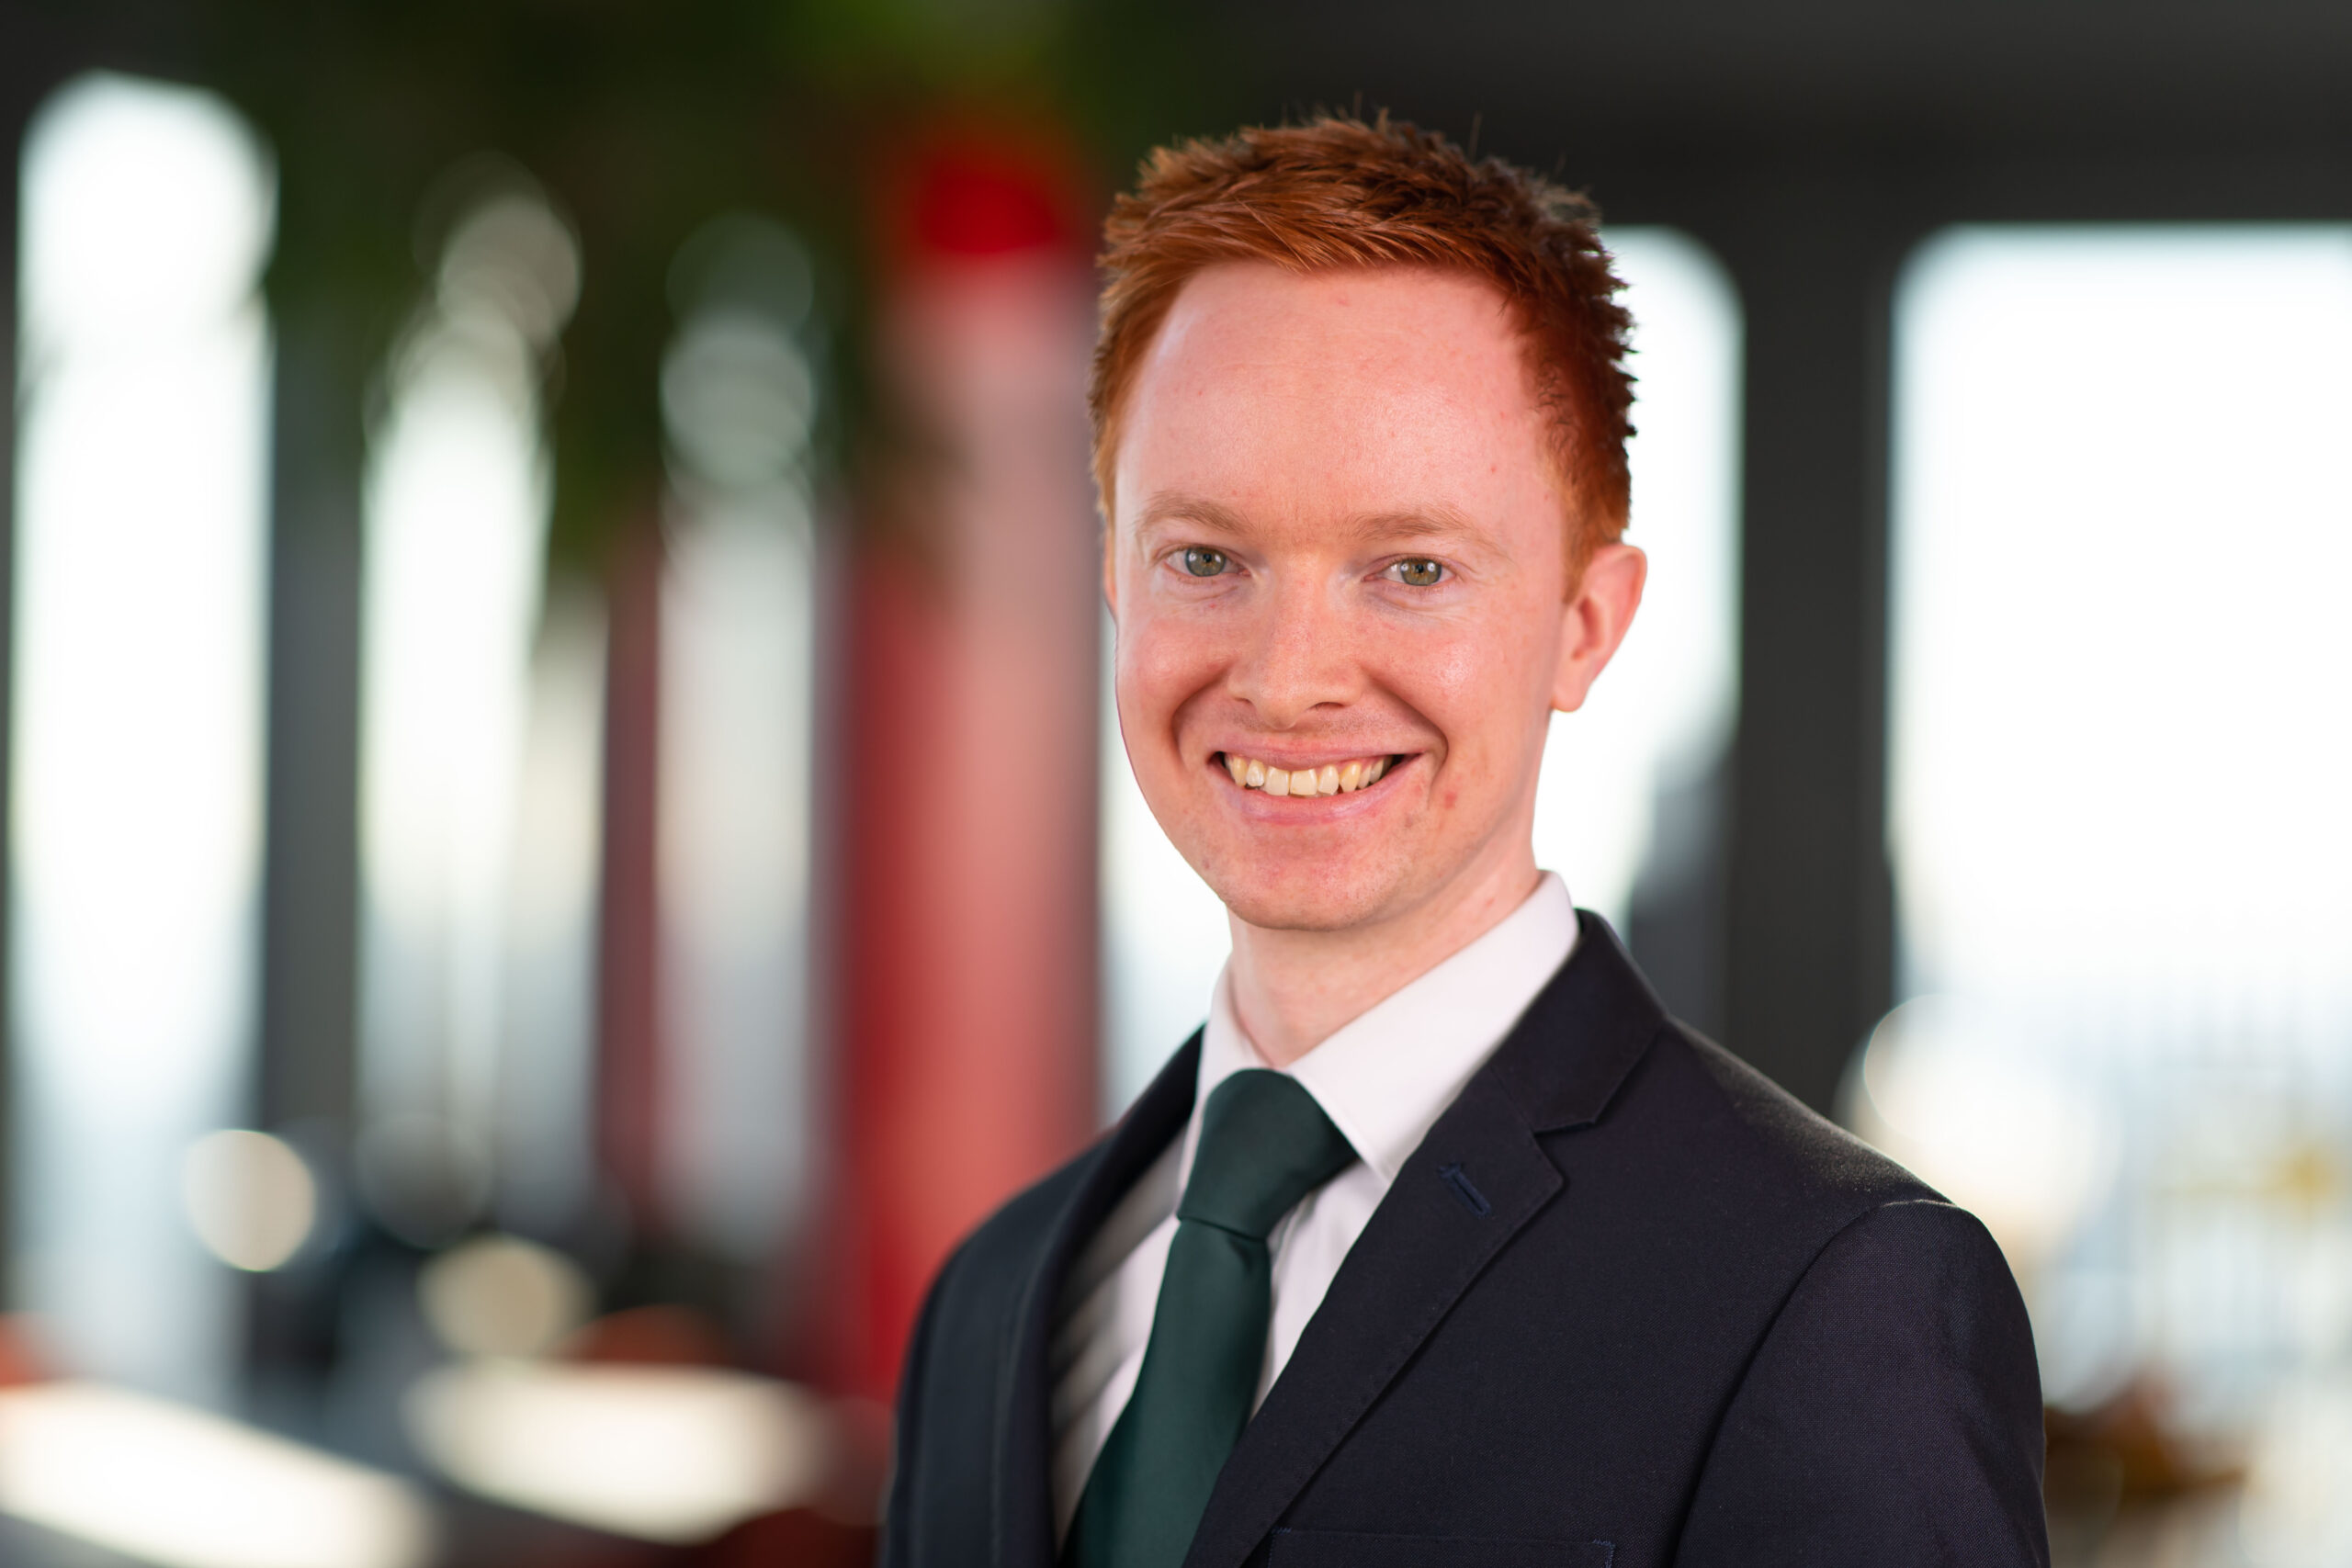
column 1387, row 1076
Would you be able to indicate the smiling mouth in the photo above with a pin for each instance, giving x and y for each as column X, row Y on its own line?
column 1332, row 778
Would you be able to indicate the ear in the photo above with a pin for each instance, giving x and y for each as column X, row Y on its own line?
column 1594, row 620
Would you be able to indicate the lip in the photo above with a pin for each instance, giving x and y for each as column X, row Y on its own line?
column 1302, row 760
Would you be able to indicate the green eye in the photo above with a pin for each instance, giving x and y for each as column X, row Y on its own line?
column 1202, row 562
column 1420, row 573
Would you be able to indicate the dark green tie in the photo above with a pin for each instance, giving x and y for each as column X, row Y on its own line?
column 1264, row 1145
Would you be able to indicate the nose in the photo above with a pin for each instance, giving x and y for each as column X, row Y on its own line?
column 1297, row 655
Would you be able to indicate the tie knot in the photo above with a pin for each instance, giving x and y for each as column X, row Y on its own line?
column 1264, row 1145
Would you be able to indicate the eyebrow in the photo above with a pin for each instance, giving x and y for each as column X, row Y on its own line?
column 1435, row 522
column 1428, row 523
column 1171, row 506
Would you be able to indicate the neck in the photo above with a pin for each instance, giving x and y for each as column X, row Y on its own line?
column 1293, row 990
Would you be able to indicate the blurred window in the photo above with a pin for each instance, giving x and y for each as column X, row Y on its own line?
column 2119, row 769
column 1164, row 935
column 142, row 410
column 476, row 902
column 1654, row 732
column 1625, row 804
column 739, row 398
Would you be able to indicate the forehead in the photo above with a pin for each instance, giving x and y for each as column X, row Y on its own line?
column 1298, row 394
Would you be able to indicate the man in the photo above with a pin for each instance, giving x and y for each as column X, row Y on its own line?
column 1440, row 1244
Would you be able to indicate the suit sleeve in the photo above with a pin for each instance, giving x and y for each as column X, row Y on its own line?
column 1893, row 1415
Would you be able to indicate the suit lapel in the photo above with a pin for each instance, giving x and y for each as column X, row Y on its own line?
column 1478, row 1178
column 1022, row 1508
column 1411, row 1264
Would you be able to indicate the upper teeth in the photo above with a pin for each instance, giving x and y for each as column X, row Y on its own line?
column 1332, row 778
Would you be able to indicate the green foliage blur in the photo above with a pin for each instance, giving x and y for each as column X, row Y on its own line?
column 643, row 121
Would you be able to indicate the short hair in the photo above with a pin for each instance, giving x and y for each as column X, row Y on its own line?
column 1338, row 192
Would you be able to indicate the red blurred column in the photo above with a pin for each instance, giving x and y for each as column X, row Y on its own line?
column 967, row 785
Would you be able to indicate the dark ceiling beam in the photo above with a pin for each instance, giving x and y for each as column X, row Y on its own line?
column 1712, row 75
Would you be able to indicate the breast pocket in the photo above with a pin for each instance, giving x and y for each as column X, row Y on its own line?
column 1343, row 1549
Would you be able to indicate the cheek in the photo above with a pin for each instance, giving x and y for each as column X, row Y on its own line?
column 1162, row 661
column 1485, row 686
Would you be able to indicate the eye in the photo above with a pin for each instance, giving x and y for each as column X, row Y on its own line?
column 1419, row 573
column 1202, row 562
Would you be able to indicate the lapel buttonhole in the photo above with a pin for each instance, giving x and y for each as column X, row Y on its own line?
column 1470, row 1197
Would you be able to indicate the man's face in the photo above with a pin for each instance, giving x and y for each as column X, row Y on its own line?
column 1340, row 552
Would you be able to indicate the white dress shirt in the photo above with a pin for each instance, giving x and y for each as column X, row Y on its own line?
column 1384, row 1079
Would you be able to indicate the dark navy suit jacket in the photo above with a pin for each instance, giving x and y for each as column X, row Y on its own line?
column 1628, row 1304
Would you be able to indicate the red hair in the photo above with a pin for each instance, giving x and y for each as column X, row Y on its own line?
column 1338, row 192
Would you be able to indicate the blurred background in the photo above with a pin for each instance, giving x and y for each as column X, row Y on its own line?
column 566, row 837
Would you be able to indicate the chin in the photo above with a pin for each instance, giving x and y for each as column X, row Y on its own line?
column 1309, row 901
column 1290, row 914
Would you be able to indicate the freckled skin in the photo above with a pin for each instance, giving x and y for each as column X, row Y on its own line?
column 1310, row 433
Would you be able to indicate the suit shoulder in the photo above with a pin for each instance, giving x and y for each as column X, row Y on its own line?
column 1724, row 1113
column 1924, row 1241
column 956, row 1375
column 1004, row 1249
column 971, row 1314
column 1891, row 1415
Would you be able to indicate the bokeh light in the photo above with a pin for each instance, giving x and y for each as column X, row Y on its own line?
column 674, row 1454
column 251, row 1197
column 182, row 1488
column 501, row 1295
